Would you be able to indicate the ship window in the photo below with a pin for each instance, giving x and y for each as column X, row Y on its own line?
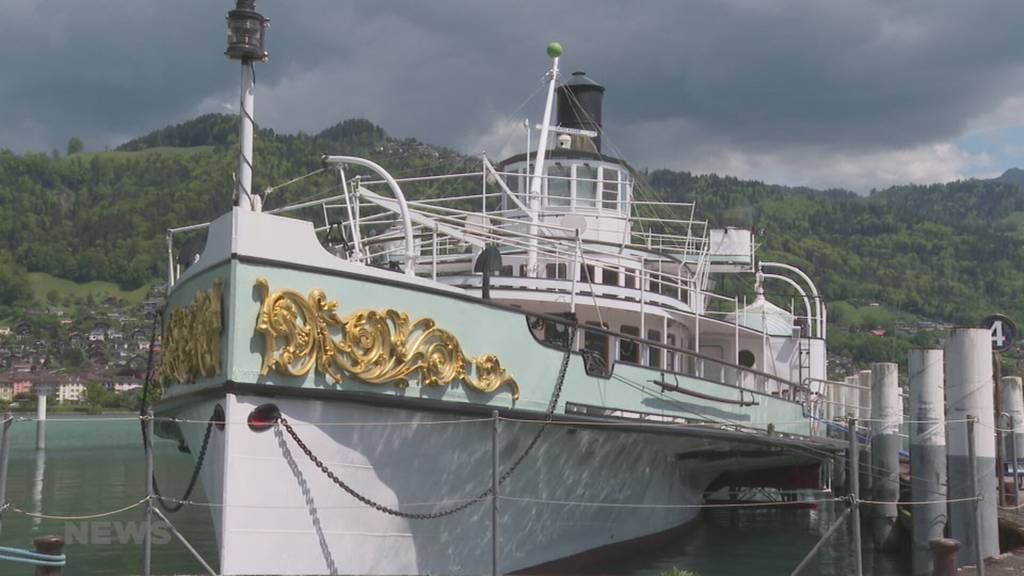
column 747, row 359
column 554, row 333
column 628, row 278
column 663, row 284
column 610, row 277
column 586, row 186
column 555, row 270
column 506, row 270
column 596, row 345
column 610, row 188
column 670, row 357
column 558, row 185
column 629, row 350
column 586, row 273
column 653, row 352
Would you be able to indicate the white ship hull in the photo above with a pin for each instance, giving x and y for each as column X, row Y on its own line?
column 276, row 513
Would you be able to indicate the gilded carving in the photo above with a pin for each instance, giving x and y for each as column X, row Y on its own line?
column 191, row 339
column 374, row 346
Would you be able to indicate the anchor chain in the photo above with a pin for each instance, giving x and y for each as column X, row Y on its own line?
column 180, row 502
column 549, row 416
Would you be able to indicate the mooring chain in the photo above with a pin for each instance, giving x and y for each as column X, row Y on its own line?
column 549, row 416
column 180, row 502
column 371, row 503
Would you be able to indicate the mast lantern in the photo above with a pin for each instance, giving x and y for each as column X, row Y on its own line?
column 246, row 32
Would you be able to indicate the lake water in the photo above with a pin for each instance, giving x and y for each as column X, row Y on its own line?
column 97, row 465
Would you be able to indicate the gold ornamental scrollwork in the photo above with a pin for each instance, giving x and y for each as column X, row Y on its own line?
column 373, row 346
column 190, row 348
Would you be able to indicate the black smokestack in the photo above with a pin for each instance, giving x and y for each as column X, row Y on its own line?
column 579, row 105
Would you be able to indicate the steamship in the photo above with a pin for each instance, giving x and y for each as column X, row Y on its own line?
column 343, row 380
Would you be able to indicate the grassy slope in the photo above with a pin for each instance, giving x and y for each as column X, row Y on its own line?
column 42, row 283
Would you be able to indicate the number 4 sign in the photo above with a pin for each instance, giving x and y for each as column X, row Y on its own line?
column 1004, row 331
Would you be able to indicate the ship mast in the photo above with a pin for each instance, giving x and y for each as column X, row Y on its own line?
column 246, row 34
column 554, row 51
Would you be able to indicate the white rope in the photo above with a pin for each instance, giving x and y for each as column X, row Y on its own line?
column 299, row 423
column 924, row 503
column 79, row 517
column 356, row 506
column 654, row 506
column 87, row 419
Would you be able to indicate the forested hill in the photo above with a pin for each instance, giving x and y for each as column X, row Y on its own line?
column 950, row 252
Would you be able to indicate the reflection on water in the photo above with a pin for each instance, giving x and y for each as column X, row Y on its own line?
column 764, row 541
column 95, row 466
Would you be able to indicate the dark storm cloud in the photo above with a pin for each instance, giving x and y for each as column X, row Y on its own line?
column 749, row 76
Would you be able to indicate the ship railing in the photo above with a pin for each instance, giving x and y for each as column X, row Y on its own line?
column 839, row 399
column 486, row 202
column 566, row 257
column 845, row 399
column 559, row 242
column 603, row 350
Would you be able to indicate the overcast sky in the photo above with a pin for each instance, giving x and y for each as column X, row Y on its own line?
column 855, row 94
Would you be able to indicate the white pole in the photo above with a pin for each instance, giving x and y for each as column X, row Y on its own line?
column 147, row 545
column 664, row 331
column 1012, row 403
column 246, row 200
column 696, row 345
column 927, row 454
column 864, row 413
column 643, row 315
column 483, row 185
column 40, row 421
column 538, row 168
column 433, row 259
column 969, row 392
column 529, row 145
column 574, row 273
column 170, row 260
column 885, row 452
column 736, row 338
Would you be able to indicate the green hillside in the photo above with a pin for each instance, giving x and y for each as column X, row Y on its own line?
column 46, row 287
column 950, row 252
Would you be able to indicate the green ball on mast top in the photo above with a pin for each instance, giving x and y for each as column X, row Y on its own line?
column 554, row 49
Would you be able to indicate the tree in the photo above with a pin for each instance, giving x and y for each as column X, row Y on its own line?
column 53, row 297
column 74, row 145
column 95, row 396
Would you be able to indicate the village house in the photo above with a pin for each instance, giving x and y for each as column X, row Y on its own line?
column 23, row 328
column 21, row 385
column 70, row 391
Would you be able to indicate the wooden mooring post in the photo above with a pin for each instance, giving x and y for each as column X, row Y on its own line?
column 54, row 546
